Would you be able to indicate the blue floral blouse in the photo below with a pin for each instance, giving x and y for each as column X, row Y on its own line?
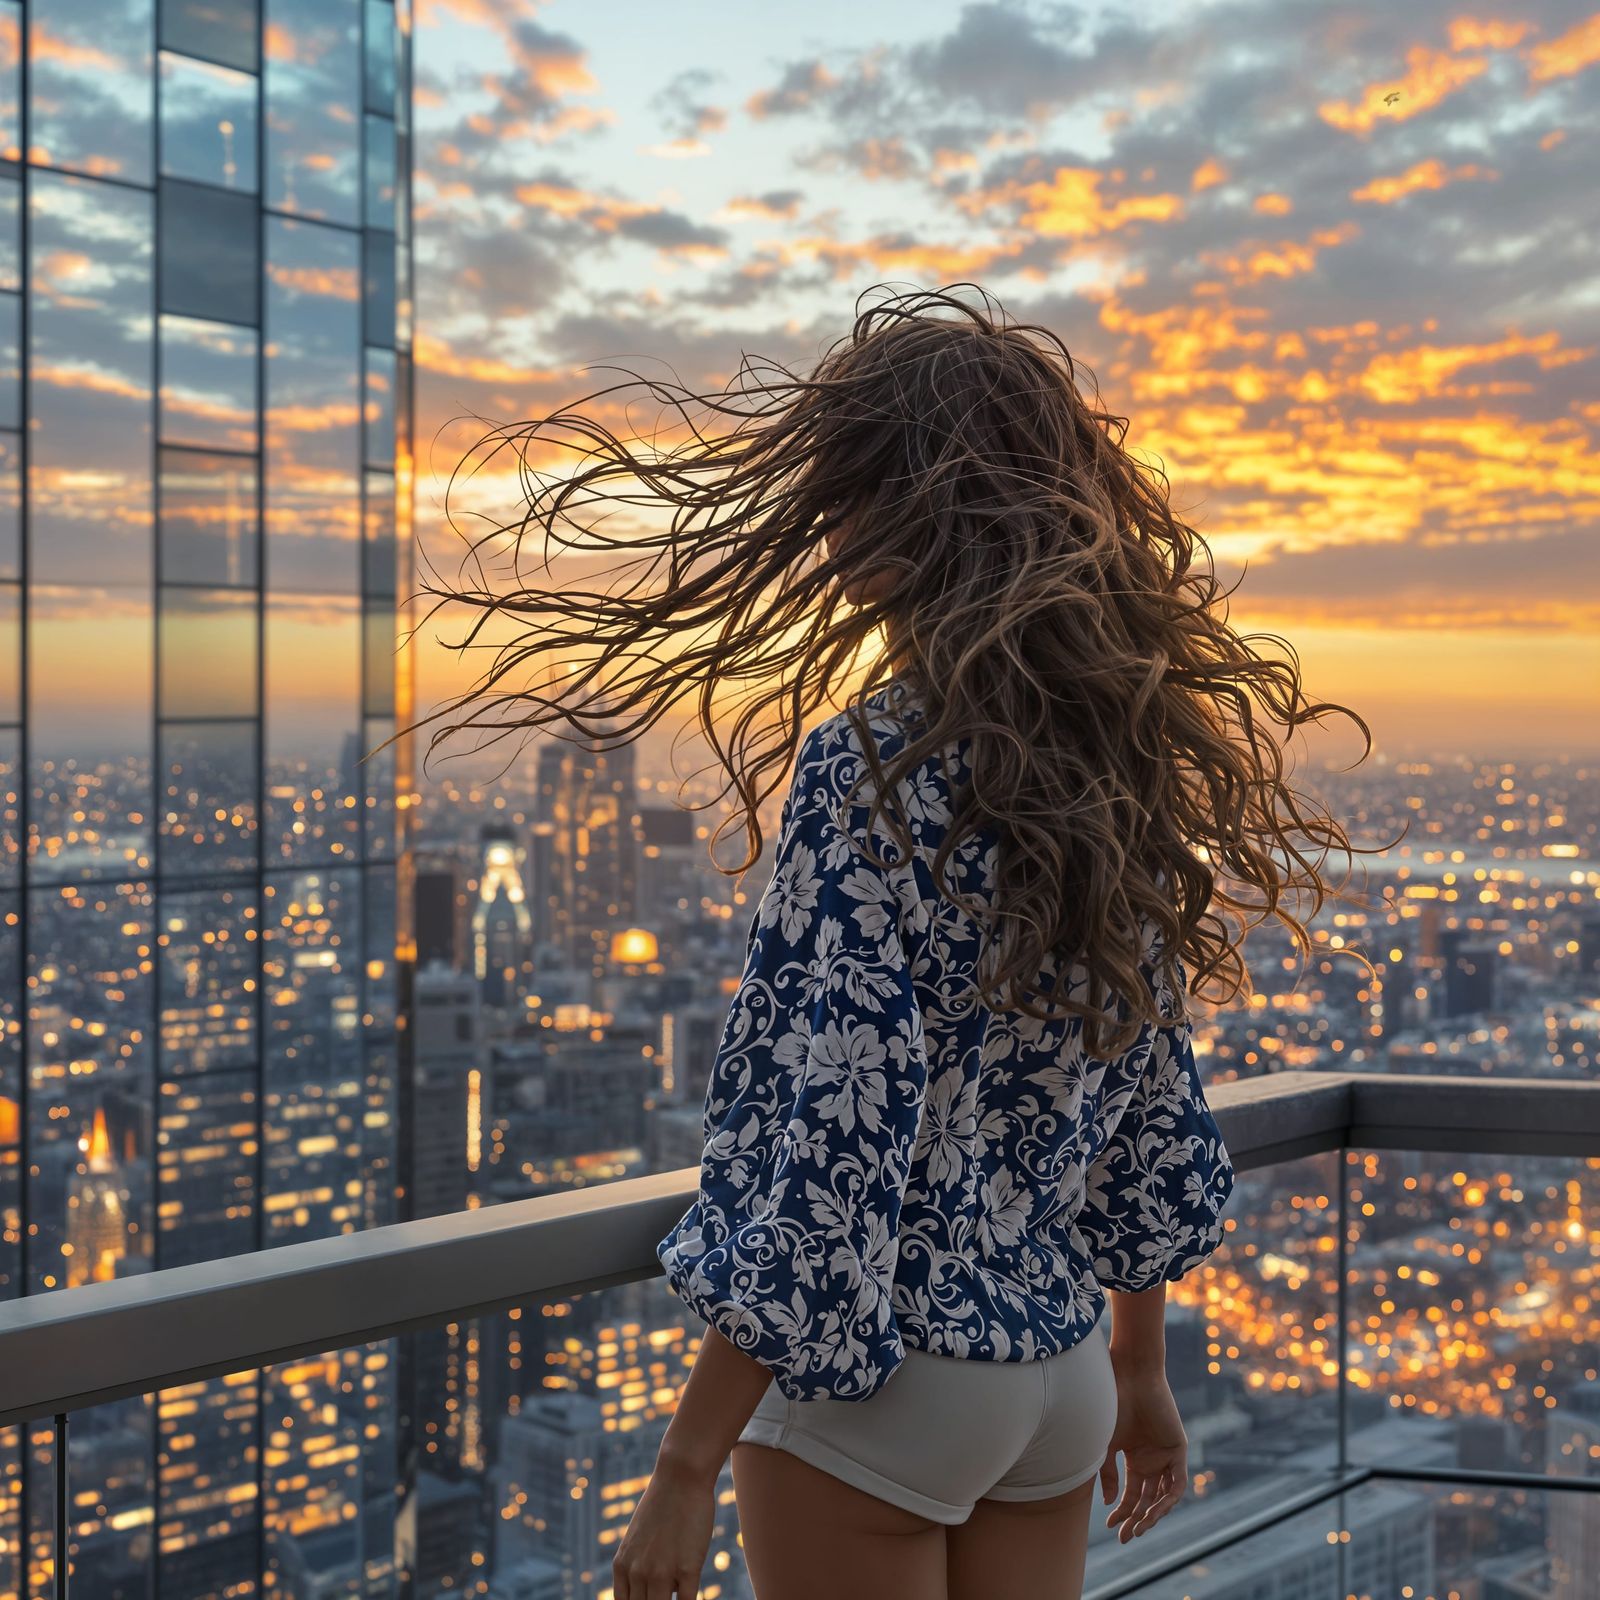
column 886, row 1163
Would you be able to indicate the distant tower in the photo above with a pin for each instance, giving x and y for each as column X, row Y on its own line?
column 502, row 926
column 98, row 1206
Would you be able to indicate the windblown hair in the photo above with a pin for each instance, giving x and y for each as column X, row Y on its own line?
column 1041, row 599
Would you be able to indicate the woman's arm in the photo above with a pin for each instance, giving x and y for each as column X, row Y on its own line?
column 664, row 1548
column 1139, row 1329
column 723, row 1388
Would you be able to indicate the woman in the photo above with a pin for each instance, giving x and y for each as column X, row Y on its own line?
column 955, row 1112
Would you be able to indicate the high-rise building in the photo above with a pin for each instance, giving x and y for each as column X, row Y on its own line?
column 204, row 483
column 502, row 925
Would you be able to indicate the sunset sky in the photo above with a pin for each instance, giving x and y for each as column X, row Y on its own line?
column 1335, row 262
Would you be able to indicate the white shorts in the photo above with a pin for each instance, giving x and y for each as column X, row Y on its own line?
column 945, row 1432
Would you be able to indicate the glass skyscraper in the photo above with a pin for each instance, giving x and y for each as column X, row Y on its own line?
column 205, row 320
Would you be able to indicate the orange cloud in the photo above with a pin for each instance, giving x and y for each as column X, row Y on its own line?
column 1577, row 48
column 1070, row 205
column 1209, row 173
column 1287, row 259
column 1273, row 205
column 1429, row 174
column 1407, row 375
column 1430, row 76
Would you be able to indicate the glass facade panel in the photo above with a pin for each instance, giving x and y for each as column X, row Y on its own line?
column 207, row 981
column 313, row 78
column 227, row 31
column 10, row 233
column 208, row 384
column 10, row 652
column 380, row 73
column 91, row 1083
column 210, row 253
column 10, row 828
column 378, row 798
column 208, row 653
column 380, row 173
column 10, row 80
column 92, row 356
column 207, row 1532
column 89, row 63
column 380, row 289
column 206, row 1167
column 209, row 518
column 313, row 457
column 378, row 433
column 10, row 361
column 378, row 560
column 10, row 506
column 313, row 728
column 10, row 1131
column 91, row 669
column 208, row 123
column 206, row 799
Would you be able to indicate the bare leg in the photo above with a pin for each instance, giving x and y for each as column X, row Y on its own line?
column 1022, row 1549
column 808, row 1534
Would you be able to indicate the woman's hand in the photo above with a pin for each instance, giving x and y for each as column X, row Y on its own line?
column 1150, row 1435
column 664, row 1549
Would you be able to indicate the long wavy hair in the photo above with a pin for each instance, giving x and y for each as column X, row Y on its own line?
column 1030, row 583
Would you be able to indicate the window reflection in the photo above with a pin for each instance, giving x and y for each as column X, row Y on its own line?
column 10, row 506
column 91, row 368
column 89, row 1060
column 10, row 1120
column 378, row 771
column 208, row 384
column 209, row 253
column 10, row 233
column 206, row 798
column 10, row 652
column 381, row 999
column 90, row 675
column 10, row 842
column 208, row 940
column 221, row 30
column 313, row 728
column 378, row 566
column 312, row 1053
column 207, row 1170
column 380, row 76
column 10, row 361
column 379, row 296
column 380, row 173
column 380, row 647
column 313, row 455
column 379, row 430
column 208, row 652
column 312, row 80
column 11, row 80
column 209, row 525
column 208, row 123
column 94, row 120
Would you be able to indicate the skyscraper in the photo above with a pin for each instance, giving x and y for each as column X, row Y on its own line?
column 204, row 475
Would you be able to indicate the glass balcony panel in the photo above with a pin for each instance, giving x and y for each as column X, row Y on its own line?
column 206, row 799
column 210, row 253
column 208, row 1137
column 90, row 675
column 207, row 983
column 91, row 1083
column 313, row 728
column 208, row 1526
column 1467, row 1318
column 210, row 522
column 208, row 384
column 90, row 64
column 209, row 653
column 208, row 123
column 225, row 31
column 313, row 80
column 91, row 372
column 313, row 417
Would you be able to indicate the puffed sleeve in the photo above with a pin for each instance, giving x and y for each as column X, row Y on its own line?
column 1156, row 1191
column 811, row 1117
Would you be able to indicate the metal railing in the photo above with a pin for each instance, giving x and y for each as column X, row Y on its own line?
column 65, row 1351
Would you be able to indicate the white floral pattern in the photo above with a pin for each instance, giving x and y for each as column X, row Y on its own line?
column 888, row 1165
